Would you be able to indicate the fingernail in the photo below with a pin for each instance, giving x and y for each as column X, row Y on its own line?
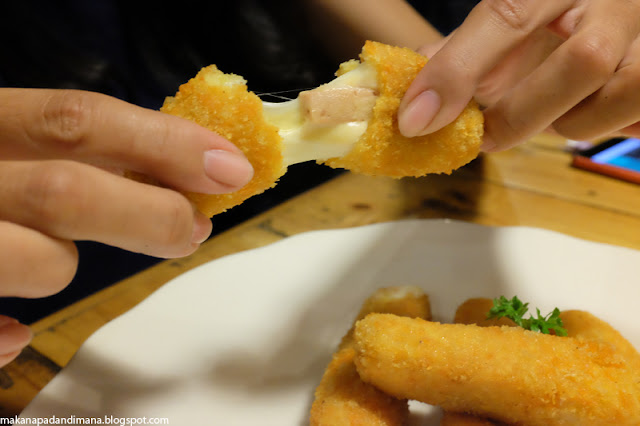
column 227, row 168
column 201, row 229
column 420, row 112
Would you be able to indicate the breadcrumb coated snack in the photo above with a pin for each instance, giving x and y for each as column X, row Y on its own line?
column 382, row 150
column 585, row 325
column 504, row 373
column 222, row 103
column 342, row 398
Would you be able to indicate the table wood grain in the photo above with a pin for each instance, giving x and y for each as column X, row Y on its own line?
column 530, row 185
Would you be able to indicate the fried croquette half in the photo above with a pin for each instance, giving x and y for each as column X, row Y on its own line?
column 221, row 103
column 342, row 398
column 382, row 150
column 503, row 373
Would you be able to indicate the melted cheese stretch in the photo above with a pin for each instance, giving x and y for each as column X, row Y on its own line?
column 304, row 140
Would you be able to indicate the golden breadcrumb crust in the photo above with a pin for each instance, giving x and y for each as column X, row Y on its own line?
column 382, row 150
column 220, row 102
column 405, row 301
column 342, row 398
column 504, row 373
column 579, row 324
column 585, row 325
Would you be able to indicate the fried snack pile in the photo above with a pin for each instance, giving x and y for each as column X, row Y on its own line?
column 486, row 372
column 342, row 398
column 505, row 373
column 349, row 123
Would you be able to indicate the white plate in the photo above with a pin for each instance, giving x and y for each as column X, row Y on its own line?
column 244, row 340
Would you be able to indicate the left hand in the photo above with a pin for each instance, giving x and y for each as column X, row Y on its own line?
column 63, row 152
column 570, row 64
column 13, row 338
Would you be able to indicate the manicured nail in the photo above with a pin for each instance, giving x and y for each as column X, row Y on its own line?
column 201, row 229
column 416, row 117
column 227, row 168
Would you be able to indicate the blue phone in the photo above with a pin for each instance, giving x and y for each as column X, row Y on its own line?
column 618, row 158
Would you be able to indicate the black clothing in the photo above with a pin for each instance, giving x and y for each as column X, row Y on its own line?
column 141, row 51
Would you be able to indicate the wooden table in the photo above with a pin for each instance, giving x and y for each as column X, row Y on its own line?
column 529, row 185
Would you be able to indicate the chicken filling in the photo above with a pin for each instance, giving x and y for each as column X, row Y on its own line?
column 326, row 122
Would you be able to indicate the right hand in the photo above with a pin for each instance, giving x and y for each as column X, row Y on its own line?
column 585, row 85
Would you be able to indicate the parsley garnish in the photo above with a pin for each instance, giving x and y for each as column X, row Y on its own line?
column 515, row 310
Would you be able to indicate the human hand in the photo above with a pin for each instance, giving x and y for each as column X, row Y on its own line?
column 63, row 154
column 569, row 64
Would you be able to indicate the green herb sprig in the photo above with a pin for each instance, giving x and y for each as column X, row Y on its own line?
column 515, row 310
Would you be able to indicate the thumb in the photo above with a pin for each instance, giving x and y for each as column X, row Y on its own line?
column 423, row 101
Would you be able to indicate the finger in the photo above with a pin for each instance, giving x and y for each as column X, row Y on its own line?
column 102, row 130
column 75, row 201
column 446, row 85
column 34, row 264
column 565, row 25
column 578, row 68
column 612, row 108
column 513, row 68
column 13, row 338
column 519, row 63
column 632, row 130
column 431, row 49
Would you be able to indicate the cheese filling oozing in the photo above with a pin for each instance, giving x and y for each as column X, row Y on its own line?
column 325, row 122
